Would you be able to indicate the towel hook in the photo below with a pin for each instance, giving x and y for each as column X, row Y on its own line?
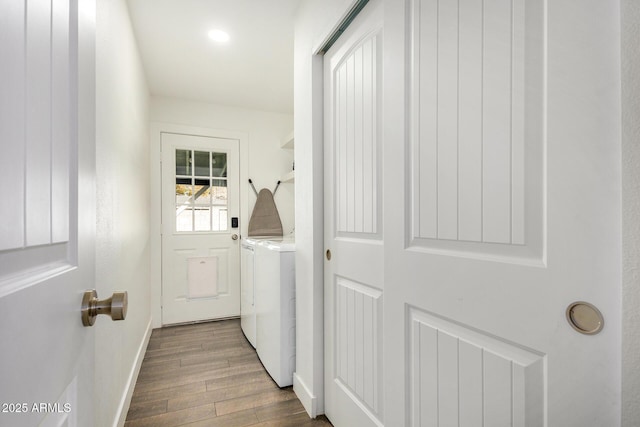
column 256, row 191
column 253, row 187
column 276, row 189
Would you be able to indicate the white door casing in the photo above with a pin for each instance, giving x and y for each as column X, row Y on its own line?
column 354, row 275
column 213, row 255
column 47, row 171
column 503, row 117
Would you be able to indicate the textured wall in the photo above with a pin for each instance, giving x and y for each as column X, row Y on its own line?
column 631, row 212
column 122, row 169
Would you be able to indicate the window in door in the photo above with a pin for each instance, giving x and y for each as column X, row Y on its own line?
column 201, row 191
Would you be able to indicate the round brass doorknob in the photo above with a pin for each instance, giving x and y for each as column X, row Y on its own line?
column 115, row 307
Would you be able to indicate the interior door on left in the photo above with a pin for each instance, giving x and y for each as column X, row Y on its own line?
column 47, row 211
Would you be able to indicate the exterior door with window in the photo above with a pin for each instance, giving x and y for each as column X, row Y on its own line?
column 200, row 249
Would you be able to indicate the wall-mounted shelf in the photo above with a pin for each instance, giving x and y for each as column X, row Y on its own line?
column 287, row 142
column 289, row 177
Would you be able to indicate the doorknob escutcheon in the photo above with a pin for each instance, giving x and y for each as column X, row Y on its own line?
column 115, row 306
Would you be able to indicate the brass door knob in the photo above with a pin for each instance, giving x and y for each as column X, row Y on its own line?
column 116, row 306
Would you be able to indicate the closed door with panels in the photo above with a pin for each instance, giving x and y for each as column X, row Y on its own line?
column 503, row 120
column 354, row 233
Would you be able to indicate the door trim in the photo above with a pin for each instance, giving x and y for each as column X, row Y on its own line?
column 155, row 227
column 130, row 384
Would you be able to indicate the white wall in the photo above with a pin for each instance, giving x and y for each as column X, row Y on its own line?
column 315, row 21
column 630, row 13
column 122, row 193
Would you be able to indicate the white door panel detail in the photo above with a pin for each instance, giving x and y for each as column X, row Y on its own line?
column 460, row 376
column 476, row 127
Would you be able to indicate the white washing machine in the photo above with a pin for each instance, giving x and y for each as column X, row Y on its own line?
column 247, row 289
column 275, row 308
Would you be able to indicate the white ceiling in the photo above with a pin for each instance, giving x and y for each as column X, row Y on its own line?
column 253, row 70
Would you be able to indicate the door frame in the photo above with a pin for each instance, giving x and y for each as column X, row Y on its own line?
column 630, row 13
column 155, row 227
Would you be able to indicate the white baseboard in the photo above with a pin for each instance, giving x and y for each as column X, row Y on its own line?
column 125, row 402
column 309, row 401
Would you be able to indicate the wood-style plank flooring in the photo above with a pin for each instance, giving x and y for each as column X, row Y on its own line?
column 207, row 374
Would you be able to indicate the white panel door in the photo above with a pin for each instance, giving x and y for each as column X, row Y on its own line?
column 200, row 249
column 354, row 235
column 47, row 212
column 502, row 208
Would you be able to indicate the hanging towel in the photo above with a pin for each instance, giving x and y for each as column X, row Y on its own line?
column 202, row 277
column 265, row 220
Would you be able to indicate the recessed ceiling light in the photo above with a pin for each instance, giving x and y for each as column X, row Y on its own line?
column 219, row 36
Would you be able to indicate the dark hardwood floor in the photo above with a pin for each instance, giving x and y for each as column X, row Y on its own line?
column 207, row 374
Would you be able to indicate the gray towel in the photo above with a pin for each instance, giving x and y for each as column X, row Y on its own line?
column 265, row 220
